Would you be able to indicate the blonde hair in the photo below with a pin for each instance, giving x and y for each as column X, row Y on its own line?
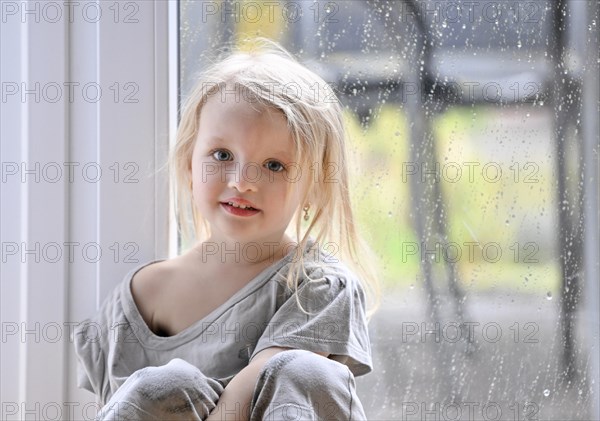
column 271, row 77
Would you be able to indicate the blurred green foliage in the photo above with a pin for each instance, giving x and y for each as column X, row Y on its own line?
column 508, row 210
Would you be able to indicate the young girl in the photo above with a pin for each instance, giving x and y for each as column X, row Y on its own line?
column 255, row 321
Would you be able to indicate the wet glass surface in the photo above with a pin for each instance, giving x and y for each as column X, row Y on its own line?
column 465, row 121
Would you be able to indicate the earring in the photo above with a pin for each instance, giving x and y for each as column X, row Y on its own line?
column 305, row 209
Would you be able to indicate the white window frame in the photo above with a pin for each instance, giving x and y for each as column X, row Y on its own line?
column 47, row 298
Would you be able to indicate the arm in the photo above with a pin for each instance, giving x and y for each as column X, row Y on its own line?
column 234, row 403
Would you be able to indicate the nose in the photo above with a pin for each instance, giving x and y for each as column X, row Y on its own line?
column 244, row 177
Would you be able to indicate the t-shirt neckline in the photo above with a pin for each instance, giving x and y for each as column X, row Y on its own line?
column 151, row 340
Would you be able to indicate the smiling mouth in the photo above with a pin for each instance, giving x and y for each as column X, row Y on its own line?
column 239, row 206
column 239, row 210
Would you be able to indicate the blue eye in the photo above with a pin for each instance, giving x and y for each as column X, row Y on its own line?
column 221, row 155
column 275, row 166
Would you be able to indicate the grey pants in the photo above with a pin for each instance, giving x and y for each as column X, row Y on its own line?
column 293, row 385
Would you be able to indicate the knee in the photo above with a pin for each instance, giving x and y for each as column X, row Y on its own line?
column 308, row 369
column 152, row 381
column 177, row 390
column 177, row 378
column 298, row 384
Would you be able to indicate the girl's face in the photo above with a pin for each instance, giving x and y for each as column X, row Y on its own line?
column 244, row 157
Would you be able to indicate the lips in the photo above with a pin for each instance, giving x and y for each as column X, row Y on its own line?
column 239, row 207
column 240, row 203
column 235, row 205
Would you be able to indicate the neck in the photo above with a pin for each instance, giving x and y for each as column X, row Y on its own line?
column 244, row 254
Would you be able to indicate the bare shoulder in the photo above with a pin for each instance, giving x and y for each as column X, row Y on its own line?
column 151, row 278
column 149, row 284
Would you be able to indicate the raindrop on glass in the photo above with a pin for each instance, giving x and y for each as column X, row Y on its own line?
column 549, row 296
column 546, row 393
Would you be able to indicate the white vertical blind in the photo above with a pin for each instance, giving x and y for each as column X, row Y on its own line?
column 91, row 133
column 10, row 204
column 34, row 219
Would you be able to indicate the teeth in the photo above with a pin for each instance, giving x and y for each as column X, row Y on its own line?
column 239, row 206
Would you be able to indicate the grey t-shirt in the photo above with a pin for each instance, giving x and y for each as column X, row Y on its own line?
column 264, row 313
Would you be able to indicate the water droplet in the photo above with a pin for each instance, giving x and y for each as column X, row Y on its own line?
column 411, row 286
column 546, row 393
column 549, row 296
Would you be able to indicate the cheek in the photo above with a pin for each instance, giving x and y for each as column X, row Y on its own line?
column 288, row 197
column 203, row 181
column 296, row 188
column 204, row 171
column 198, row 170
column 206, row 187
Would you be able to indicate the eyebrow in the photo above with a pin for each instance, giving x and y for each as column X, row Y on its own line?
column 214, row 140
column 284, row 155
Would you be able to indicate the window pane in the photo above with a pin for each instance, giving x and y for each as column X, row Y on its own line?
column 465, row 121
